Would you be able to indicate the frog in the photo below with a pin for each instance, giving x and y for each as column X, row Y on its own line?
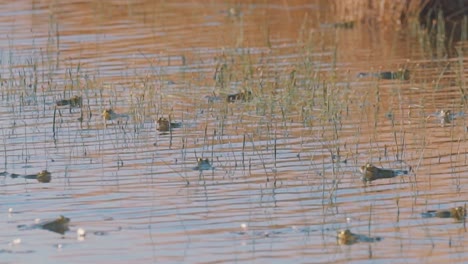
column 74, row 101
column 458, row 213
column 164, row 125
column 401, row 74
column 203, row 164
column 240, row 96
column 43, row 176
column 58, row 225
column 343, row 25
column 372, row 173
column 346, row 237
column 446, row 116
column 110, row 114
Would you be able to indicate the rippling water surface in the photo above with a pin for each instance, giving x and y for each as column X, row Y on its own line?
column 285, row 173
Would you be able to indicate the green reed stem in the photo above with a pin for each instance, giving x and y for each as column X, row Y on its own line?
column 53, row 123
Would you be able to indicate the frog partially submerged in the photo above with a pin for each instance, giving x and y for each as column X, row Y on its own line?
column 457, row 213
column 165, row 125
column 346, row 237
column 58, row 225
column 110, row 114
column 344, row 25
column 74, row 101
column 44, row 176
column 372, row 173
column 402, row 74
column 446, row 116
column 203, row 164
column 240, row 96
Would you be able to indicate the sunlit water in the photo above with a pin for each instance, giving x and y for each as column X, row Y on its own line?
column 285, row 174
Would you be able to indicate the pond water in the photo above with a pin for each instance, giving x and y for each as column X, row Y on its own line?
column 284, row 174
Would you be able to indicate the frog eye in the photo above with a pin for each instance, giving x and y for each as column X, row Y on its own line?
column 345, row 232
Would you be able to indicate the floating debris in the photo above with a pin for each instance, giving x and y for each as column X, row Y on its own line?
column 165, row 125
column 80, row 234
column 387, row 75
column 203, row 164
column 346, row 237
column 241, row 96
column 244, row 229
column 234, row 12
column 457, row 213
column 75, row 101
column 372, row 173
column 15, row 242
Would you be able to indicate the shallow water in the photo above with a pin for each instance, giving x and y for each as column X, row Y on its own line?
column 286, row 164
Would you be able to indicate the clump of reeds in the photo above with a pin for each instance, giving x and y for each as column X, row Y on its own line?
column 386, row 13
